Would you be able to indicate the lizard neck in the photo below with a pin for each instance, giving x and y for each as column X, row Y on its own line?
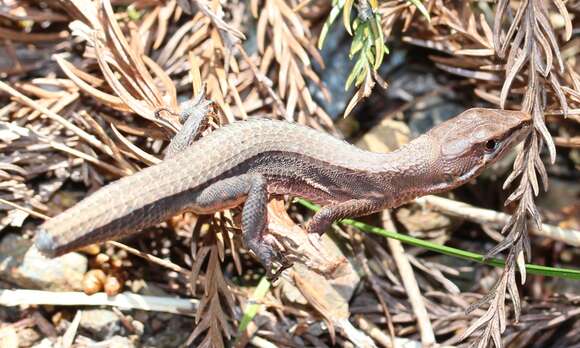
column 414, row 170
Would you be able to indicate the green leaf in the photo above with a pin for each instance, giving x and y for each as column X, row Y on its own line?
column 252, row 308
column 446, row 250
column 326, row 27
column 375, row 25
column 370, row 57
column 346, row 15
column 357, row 45
column 362, row 75
column 368, row 39
column 358, row 41
column 356, row 70
column 133, row 13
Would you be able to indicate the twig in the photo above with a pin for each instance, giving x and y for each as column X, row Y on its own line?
column 69, row 336
column 377, row 290
column 572, row 142
column 26, row 210
column 216, row 19
column 410, row 284
column 167, row 264
column 262, row 342
column 126, row 300
column 486, row 216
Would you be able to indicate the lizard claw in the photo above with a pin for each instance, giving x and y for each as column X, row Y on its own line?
column 276, row 256
column 157, row 112
column 269, row 254
column 284, row 265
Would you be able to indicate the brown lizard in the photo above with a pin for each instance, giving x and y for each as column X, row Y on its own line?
column 245, row 162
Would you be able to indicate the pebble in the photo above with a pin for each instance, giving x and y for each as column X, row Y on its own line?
column 102, row 323
column 26, row 267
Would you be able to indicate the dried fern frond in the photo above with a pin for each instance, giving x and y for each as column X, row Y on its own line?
column 285, row 49
column 530, row 43
column 212, row 324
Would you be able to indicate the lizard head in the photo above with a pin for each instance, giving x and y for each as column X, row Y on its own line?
column 476, row 138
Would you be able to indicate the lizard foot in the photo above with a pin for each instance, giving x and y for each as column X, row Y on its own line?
column 269, row 254
column 198, row 107
column 284, row 265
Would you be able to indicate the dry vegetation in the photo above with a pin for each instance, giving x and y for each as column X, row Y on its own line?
column 90, row 91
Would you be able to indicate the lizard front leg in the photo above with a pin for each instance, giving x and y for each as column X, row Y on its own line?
column 322, row 220
column 192, row 116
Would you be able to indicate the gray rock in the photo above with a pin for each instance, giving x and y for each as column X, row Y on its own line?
column 170, row 333
column 101, row 323
column 430, row 110
column 338, row 65
column 25, row 266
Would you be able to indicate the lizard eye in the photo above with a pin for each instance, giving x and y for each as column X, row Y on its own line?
column 491, row 145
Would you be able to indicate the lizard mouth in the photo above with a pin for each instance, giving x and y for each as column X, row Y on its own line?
column 516, row 136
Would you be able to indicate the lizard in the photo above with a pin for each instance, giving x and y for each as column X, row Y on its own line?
column 246, row 162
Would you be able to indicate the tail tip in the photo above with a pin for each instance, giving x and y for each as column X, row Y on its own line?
column 45, row 243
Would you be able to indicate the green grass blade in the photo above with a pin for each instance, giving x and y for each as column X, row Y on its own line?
column 446, row 250
column 252, row 308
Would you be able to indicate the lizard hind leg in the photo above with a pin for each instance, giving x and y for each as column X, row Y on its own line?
column 231, row 192
column 254, row 225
